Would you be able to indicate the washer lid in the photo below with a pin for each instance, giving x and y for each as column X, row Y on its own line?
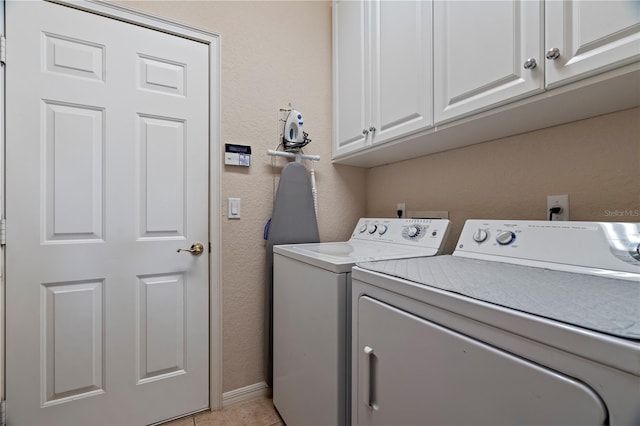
column 339, row 257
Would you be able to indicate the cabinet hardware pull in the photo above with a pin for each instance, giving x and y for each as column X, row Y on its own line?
column 553, row 54
column 372, row 361
column 530, row 64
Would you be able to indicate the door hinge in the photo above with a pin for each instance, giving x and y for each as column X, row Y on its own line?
column 3, row 231
column 3, row 49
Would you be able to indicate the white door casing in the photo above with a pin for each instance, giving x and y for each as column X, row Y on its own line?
column 108, row 137
column 2, row 262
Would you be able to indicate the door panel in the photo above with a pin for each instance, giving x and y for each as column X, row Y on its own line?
column 593, row 37
column 72, row 324
column 351, row 57
column 107, row 176
column 73, row 172
column 162, row 194
column 416, row 372
column 479, row 52
column 161, row 333
column 402, row 68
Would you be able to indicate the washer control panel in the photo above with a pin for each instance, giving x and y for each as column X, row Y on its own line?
column 430, row 233
column 604, row 245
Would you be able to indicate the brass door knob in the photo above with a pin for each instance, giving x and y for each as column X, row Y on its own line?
column 196, row 249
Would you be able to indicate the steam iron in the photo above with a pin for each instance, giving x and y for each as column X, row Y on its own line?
column 293, row 136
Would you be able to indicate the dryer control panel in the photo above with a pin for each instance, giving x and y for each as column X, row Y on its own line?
column 611, row 246
column 431, row 233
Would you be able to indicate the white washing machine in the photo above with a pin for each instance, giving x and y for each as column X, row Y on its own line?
column 311, row 313
column 526, row 323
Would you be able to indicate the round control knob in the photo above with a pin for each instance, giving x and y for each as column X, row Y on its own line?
column 382, row 229
column 413, row 231
column 372, row 228
column 505, row 238
column 362, row 228
column 480, row 236
column 636, row 254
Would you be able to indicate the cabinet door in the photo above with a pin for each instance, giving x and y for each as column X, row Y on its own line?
column 591, row 37
column 401, row 68
column 416, row 372
column 480, row 49
column 350, row 76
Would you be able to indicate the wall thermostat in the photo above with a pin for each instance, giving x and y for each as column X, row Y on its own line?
column 237, row 155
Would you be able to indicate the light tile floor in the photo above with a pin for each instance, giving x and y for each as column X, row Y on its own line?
column 256, row 412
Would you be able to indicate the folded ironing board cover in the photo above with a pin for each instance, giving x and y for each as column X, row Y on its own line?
column 293, row 221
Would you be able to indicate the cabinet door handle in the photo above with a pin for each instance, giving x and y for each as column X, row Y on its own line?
column 530, row 64
column 553, row 54
column 365, row 132
column 371, row 388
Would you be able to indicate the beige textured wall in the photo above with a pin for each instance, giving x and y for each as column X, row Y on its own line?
column 595, row 161
column 273, row 53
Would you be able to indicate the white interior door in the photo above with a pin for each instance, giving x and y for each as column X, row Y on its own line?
column 107, row 176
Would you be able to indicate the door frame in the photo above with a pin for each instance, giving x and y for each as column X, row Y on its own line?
column 212, row 40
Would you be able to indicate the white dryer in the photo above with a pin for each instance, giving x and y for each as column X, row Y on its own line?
column 526, row 323
column 311, row 313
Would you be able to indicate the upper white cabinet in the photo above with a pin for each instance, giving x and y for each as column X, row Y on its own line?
column 416, row 77
column 382, row 71
column 485, row 53
column 350, row 76
column 583, row 38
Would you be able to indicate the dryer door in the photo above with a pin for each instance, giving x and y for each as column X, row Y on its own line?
column 414, row 372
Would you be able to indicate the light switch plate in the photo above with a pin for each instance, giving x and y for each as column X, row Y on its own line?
column 234, row 208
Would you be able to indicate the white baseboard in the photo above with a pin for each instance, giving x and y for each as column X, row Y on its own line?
column 244, row 394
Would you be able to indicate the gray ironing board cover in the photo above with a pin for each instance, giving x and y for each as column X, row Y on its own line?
column 293, row 221
column 606, row 305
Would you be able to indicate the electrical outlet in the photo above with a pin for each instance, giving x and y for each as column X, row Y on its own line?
column 401, row 207
column 561, row 201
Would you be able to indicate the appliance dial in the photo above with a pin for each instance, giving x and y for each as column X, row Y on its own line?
column 413, row 231
column 372, row 229
column 480, row 236
column 362, row 228
column 505, row 238
column 382, row 229
column 636, row 254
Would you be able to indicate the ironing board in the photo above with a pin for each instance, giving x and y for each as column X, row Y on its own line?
column 293, row 221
